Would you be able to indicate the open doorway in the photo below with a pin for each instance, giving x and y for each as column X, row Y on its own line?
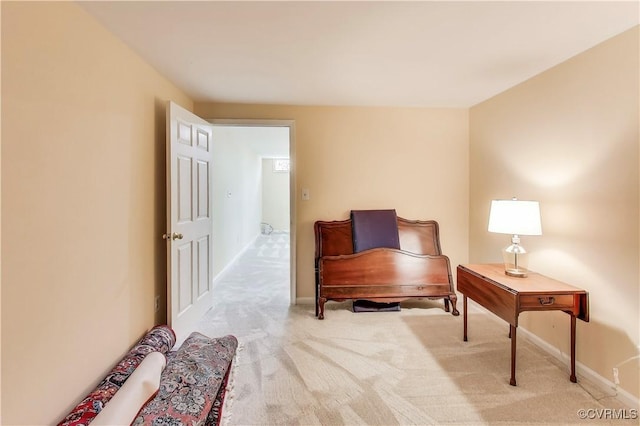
column 252, row 192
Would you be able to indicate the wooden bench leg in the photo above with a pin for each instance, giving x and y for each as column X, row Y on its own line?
column 321, row 302
column 454, row 299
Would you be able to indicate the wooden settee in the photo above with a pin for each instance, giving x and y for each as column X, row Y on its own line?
column 416, row 270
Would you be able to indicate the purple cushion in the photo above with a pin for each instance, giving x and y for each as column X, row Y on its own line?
column 373, row 229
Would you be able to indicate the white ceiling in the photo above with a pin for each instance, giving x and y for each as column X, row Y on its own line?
column 428, row 53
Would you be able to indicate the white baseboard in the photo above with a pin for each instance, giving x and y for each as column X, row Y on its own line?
column 605, row 385
column 234, row 260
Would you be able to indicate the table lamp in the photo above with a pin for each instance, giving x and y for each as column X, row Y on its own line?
column 515, row 217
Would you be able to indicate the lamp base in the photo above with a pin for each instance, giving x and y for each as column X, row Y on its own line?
column 516, row 259
column 516, row 273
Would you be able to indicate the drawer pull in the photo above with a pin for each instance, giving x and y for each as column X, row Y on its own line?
column 546, row 300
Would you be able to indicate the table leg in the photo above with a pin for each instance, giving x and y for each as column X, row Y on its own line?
column 512, row 332
column 464, row 316
column 573, row 349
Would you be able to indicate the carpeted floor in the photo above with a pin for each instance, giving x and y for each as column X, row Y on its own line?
column 409, row 367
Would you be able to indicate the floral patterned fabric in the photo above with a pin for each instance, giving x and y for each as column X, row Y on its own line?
column 215, row 414
column 189, row 385
column 160, row 338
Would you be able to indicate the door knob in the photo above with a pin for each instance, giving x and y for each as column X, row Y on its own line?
column 174, row 236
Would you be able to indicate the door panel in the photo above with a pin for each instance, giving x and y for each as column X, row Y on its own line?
column 204, row 139
column 185, row 272
column 204, row 277
column 184, row 190
column 189, row 221
column 204, row 189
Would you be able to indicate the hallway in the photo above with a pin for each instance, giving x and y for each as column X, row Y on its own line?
column 253, row 290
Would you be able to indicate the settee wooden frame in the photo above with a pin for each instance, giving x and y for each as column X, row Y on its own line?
column 417, row 270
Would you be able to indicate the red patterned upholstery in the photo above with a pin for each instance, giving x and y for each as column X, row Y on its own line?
column 160, row 338
column 190, row 384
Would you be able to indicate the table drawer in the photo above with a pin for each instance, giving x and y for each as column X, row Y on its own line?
column 544, row 302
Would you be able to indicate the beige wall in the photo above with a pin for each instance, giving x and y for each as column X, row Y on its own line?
column 0, row 235
column 569, row 138
column 412, row 159
column 83, row 148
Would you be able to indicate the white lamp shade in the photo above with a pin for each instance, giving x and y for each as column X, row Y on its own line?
column 516, row 217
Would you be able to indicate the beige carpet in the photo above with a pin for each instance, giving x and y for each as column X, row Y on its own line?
column 409, row 367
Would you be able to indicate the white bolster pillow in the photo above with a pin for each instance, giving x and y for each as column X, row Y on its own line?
column 135, row 392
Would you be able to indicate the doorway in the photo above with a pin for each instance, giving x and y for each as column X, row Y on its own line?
column 242, row 149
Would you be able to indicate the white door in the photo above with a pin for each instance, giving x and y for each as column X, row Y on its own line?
column 189, row 221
